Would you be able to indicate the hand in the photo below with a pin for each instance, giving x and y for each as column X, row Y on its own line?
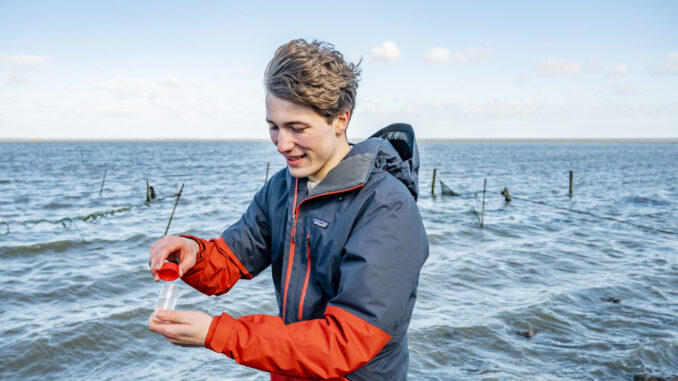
column 183, row 328
column 173, row 248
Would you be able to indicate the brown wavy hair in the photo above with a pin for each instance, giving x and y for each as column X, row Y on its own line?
column 315, row 75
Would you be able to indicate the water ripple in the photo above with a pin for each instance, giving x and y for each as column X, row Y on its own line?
column 537, row 293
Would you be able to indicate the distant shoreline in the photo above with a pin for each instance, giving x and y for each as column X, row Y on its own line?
column 423, row 140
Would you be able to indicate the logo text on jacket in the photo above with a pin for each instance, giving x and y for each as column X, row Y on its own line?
column 319, row 222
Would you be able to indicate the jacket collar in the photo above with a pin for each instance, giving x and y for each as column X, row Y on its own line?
column 353, row 170
column 376, row 152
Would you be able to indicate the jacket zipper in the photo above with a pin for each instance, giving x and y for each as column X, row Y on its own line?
column 293, row 240
column 308, row 274
column 290, row 259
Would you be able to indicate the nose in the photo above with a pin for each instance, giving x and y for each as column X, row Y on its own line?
column 285, row 142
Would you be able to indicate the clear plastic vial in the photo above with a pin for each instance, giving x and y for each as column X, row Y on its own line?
column 167, row 297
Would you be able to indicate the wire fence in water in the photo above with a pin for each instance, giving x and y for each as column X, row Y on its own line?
column 69, row 222
column 447, row 191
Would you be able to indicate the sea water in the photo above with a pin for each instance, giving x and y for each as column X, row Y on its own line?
column 76, row 301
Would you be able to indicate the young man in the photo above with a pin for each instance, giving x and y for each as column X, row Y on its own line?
column 339, row 226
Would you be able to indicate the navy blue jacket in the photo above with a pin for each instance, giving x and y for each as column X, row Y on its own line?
column 345, row 261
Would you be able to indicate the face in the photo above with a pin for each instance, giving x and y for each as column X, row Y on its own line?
column 311, row 146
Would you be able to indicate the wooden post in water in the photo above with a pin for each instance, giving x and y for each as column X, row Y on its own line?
column 102, row 182
column 570, row 183
column 175, row 208
column 507, row 195
column 433, row 183
column 482, row 213
column 268, row 163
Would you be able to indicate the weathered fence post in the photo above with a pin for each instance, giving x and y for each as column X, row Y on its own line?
column 102, row 182
column 482, row 213
column 175, row 208
column 433, row 183
column 507, row 195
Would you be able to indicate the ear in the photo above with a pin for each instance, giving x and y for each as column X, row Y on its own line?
column 341, row 122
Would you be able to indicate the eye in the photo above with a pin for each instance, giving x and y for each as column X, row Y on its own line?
column 272, row 127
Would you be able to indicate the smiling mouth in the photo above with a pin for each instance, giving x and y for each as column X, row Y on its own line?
column 295, row 158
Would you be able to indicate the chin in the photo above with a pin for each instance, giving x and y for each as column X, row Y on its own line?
column 299, row 172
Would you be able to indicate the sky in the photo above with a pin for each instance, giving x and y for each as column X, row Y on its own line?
column 452, row 69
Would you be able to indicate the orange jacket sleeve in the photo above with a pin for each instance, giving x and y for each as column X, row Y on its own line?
column 216, row 269
column 320, row 348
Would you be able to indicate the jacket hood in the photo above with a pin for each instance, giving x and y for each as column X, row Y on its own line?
column 404, row 164
column 393, row 148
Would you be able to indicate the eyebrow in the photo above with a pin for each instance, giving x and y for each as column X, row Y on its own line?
column 289, row 123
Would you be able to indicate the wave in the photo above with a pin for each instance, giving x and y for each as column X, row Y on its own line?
column 57, row 205
column 61, row 246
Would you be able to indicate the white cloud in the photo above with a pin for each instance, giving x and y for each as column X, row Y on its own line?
column 618, row 70
column 438, row 54
column 115, row 110
column 10, row 78
column 635, row 109
column 668, row 67
column 129, row 87
column 497, row 107
column 465, row 55
column 485, row 107
column 172, row 81
column 388, row 51
column 24, row 60
column 552, row 66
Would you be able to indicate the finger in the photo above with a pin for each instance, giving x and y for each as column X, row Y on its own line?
column 156, row 326
column 151, row 263
column 155, row 246
column 160, row 252
column 189, row 255
column 170, row 316
column 153, row 254
column 171, row 248
column 165, row 250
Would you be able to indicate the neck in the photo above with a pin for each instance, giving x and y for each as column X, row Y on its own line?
column 342, row 150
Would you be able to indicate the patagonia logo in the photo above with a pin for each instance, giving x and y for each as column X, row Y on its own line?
column 321, row 223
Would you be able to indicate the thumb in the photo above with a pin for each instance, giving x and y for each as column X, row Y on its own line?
column 170, row 316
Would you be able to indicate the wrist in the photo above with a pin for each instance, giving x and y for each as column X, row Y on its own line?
column 196, row 247
column 194, row 243
column 210, row 331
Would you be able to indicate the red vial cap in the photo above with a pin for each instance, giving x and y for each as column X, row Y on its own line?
column 169, row 271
